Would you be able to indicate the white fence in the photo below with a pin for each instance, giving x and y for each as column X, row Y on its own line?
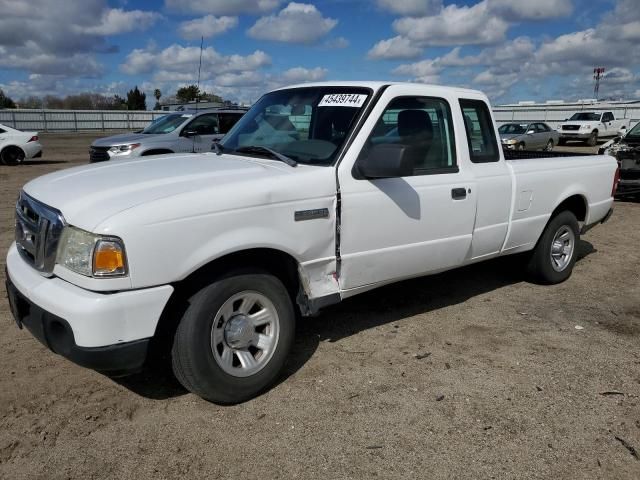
column 77, row 120
column 553, row 115
column 104, row 120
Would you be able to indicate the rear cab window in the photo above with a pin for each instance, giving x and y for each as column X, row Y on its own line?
column 481, row 137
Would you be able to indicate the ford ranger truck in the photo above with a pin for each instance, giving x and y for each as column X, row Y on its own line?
column 320, row 192
column 589, row 127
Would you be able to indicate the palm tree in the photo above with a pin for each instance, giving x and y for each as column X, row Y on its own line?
column 157, row 93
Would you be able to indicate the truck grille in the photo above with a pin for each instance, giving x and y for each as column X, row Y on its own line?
column 570, row 127
column 98, row 154
column 38, row 231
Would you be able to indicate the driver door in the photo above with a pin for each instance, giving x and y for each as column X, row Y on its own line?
column 406, row 226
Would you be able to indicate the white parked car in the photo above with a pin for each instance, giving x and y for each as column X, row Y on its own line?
column 589, row 127
column 320, row 192
column 17, row 146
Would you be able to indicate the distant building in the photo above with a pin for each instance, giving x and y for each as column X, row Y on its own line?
column 173, row 105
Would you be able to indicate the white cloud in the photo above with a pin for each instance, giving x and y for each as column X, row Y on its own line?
column 116, row 20
column 207, row 26
column 336, row 43
column 425, row 71
column 242, row 79
column 296, row 23
column 411, row 7
column 301, row 75
column 530, row 9
column 222, row 7
column 394, row 48
column 454, row 25
column 182, row 62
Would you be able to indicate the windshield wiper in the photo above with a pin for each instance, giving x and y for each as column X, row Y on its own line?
column 272, row 153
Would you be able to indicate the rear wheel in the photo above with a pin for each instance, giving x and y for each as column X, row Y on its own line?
column 562, row 141
column 593, row 139
column 12, row 156
column 234, row 337
column 554, row 256
column 549, row 146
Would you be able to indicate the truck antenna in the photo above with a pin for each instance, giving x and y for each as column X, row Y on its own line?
column 199, row 69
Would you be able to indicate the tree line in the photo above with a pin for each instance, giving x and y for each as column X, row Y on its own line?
column 135, row 99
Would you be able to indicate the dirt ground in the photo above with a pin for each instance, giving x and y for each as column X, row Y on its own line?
column 472, row 374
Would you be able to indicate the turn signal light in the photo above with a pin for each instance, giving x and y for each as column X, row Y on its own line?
column 108, row 259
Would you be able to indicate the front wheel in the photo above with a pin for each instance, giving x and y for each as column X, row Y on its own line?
column 521, row 147
column 554, row 256
column 549, row 146
column 593, row 139
column 234, row 337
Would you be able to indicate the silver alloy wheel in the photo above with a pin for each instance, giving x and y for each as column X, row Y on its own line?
column 549, row 147
column 562, row 246
column 245, row 333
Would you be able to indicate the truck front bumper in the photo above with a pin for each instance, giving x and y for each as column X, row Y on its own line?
column 574, row 135
column 108, row 332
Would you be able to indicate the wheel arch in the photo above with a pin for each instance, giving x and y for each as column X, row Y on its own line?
column 276, row 262
column 576, row 204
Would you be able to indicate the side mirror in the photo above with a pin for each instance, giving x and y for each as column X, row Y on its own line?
column 388, row 160
column 530, row 132
column 189, row 133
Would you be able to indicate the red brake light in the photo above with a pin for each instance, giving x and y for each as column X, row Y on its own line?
column 33, row 139
column 616, row 180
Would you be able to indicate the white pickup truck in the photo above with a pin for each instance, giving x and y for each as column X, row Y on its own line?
column 589, row 126
column 320, row 192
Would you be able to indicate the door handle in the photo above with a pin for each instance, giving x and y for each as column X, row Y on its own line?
column 458, row 193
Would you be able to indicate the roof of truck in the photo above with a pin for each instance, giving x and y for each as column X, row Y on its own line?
column 377, row 85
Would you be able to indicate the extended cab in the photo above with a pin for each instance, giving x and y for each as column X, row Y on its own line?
column 589, row 126
column 320, row 192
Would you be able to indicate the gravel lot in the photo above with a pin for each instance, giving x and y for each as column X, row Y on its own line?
column 471, row 374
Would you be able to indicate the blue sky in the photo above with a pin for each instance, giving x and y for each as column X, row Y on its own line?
column 512, row 49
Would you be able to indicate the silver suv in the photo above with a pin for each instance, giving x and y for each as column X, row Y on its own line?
column 188, row 131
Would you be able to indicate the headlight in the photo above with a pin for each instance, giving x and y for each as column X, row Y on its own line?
column 123, row 149
column 90, row 254
column 585, row 127
column 511, row 141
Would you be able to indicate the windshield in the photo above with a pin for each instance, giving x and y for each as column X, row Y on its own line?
column 307, row 124
column 586, row 117
column 167, row 124
column 634, row 132
column 513, row 129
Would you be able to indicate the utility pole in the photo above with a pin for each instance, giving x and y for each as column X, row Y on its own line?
column 598, row 73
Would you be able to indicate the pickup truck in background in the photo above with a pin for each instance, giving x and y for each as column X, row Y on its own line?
column 320, row 192
column 589, row 127
column 189, row 131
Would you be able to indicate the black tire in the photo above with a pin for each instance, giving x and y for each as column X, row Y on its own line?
column 521, row 146
column 541, row 265
column 193, row 359
column 593, row 139
column 12, row 156
column 562, row 142
column 549, row 147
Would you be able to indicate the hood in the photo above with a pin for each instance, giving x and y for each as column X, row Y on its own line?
column 125, row 138
column 88, row 195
